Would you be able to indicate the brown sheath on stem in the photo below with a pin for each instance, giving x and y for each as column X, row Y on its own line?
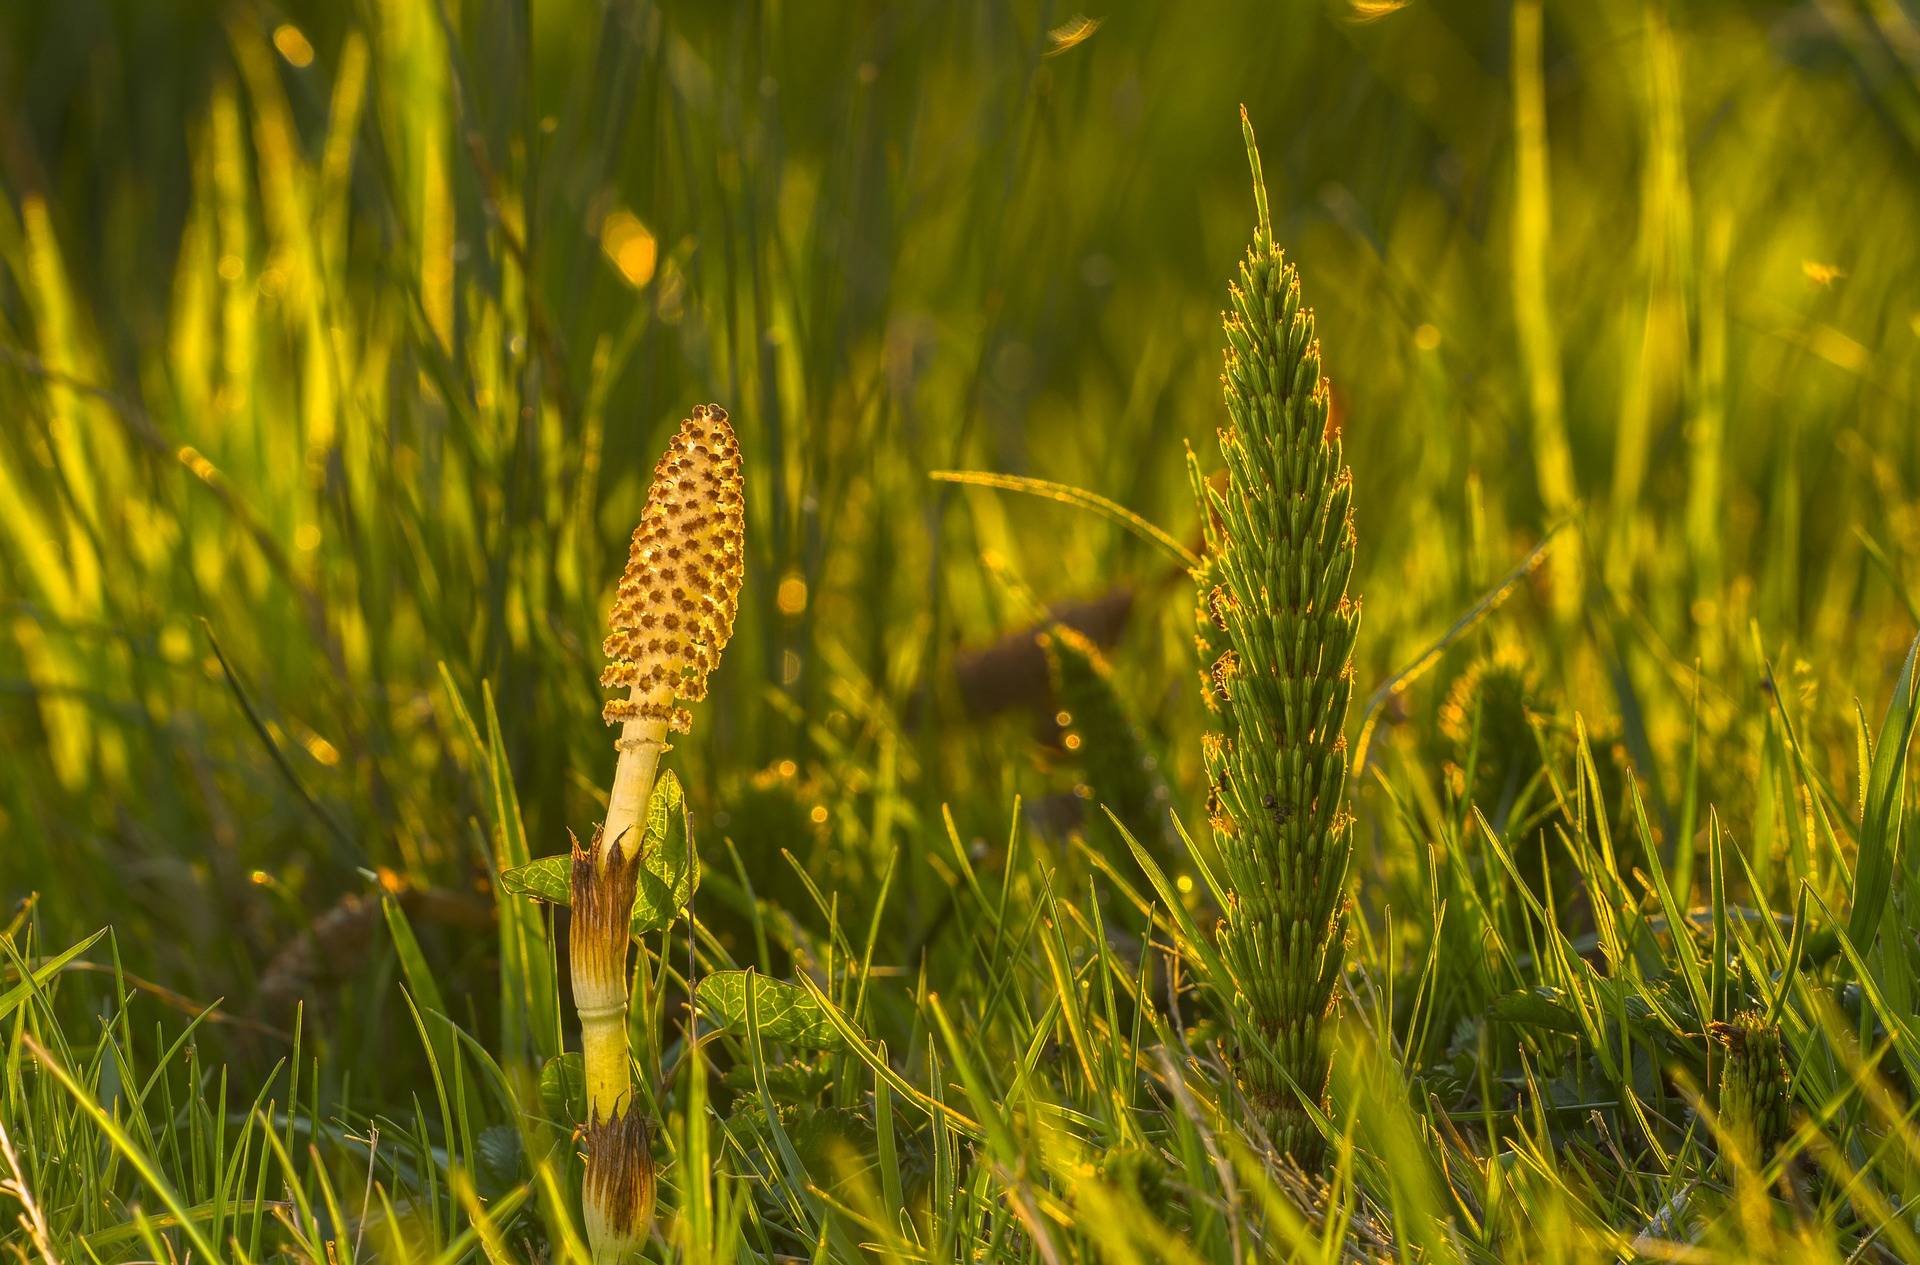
column 617, row 1195
column 603, row 890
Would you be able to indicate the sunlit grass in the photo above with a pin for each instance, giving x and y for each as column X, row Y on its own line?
column 337, row 343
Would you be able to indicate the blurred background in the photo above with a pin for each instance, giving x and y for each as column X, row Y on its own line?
column 338, row 340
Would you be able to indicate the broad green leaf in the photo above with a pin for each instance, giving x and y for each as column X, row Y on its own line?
column 669, row 869
column 785, row 1011
column 545, row 879
column 563, row 1088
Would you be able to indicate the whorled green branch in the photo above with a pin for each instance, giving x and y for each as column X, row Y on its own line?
column 1276, row 635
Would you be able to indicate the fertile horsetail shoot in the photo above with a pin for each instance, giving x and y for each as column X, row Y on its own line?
column 671, row 618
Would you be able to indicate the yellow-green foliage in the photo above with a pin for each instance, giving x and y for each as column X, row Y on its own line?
column 338, row 342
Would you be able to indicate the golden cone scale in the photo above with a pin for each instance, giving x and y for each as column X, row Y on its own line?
column 675, row 607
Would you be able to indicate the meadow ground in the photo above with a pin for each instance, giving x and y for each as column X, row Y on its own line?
column 337, row 346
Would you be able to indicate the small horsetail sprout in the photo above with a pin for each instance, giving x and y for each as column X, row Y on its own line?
column 1754, row 1084
column 1276, row 635
column 1112, row 752
column 671, row 618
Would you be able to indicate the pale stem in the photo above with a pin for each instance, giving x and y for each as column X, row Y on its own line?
column 603, row 1055
column 640, row 745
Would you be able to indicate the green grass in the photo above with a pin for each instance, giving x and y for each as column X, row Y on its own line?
column 337, row 343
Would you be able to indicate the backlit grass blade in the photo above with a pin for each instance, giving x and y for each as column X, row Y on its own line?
column 41, row 974
column 1079, row 497
column 1880, row 825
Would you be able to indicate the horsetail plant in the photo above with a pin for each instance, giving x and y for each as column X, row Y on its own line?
column 1276, row 636
column 672, row 616
column 1754, row 1085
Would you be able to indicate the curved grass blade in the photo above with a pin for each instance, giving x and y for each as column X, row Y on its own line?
column 1067, row 494
column 935, row 1109
column 38, row 976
